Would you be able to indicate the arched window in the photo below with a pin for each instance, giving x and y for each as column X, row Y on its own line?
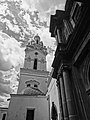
column 35, row 85
column 4, row 116
column 37, row 41
column 35, row 64
column 28, row 85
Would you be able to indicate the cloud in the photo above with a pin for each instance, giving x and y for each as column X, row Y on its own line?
column 45, row 7
column 6, row 82
column 3, row 100
column 2, row 80
column 5, row 89
column 11, row 54
column 8, row 79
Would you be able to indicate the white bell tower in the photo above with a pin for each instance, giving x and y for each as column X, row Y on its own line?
column 34, row 70
column 35, row 55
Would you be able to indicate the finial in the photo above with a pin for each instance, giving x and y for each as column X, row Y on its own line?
column 37, row 37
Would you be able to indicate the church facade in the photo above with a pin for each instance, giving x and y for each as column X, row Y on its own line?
column 31, row 102
column 71, row 64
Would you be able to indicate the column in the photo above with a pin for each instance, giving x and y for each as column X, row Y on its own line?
column 60, row 99
column 64, row 103
column 72, row 112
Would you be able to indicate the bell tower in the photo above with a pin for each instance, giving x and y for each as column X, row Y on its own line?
column 34, row 70
column 35, row 55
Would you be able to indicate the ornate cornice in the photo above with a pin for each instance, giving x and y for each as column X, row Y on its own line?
column 65, row 67
column 32, row 72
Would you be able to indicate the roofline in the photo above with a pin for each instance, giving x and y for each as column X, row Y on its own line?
column 3, row 107
column 36, row 96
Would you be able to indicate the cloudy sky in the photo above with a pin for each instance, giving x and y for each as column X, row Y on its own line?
column 45, row 7
column 12, row 48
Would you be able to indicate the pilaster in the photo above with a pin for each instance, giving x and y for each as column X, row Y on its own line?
column 63, row 97
column 72, row 112
column 60, row 98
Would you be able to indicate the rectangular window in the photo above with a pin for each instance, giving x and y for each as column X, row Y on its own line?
column 30, row 114
column 35, row 64
column 4, row 116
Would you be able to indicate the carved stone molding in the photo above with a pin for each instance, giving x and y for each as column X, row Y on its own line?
column 59, row 73
column 64, row 66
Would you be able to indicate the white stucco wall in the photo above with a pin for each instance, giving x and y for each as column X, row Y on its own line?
column 53, row 96
column 31, row 54
column 20, row 103
column 40, row 77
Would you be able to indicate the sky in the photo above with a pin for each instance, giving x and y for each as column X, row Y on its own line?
column 45, row 7
column 12, row 53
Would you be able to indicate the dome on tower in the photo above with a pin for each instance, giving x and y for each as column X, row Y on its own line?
column 36, row 44
column 37, row 38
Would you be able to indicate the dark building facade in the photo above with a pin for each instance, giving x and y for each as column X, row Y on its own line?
column 71, row 65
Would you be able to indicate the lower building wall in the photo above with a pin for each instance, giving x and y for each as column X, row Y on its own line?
column 20, row 104
column 53, row 96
